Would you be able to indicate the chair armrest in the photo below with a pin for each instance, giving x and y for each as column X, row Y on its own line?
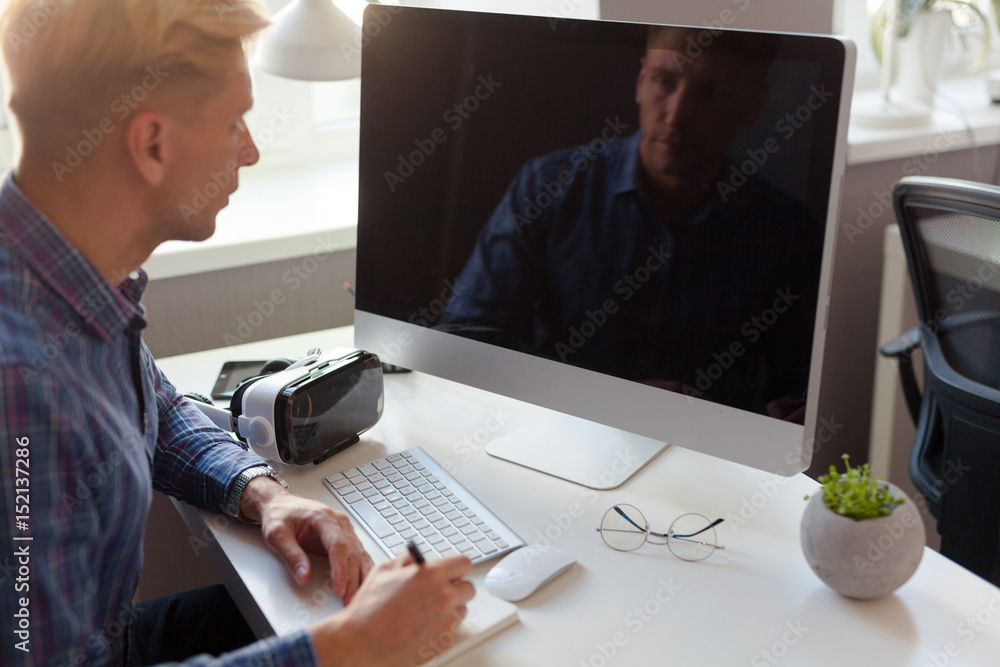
column 903, row 344
column 901, row 348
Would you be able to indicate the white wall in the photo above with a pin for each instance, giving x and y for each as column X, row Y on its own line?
column 784, row 15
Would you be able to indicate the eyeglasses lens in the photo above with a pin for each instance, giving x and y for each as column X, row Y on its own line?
column 691, row 538
column 624, row 528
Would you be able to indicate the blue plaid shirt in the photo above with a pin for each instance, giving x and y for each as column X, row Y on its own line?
column 89, row 427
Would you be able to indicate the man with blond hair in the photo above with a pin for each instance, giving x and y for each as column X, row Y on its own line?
column 123, row 108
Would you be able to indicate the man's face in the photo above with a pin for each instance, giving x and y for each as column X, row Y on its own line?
column 210, row 152
column 690, row 108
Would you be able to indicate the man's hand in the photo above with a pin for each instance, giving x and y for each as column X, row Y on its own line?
column 292, row 525
column 403, row 613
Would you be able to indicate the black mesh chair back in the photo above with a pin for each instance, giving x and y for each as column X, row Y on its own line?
column 951, row 236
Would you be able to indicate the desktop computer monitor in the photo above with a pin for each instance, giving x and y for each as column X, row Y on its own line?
column 629, row 225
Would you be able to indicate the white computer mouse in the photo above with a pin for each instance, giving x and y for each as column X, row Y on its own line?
column 521, row 573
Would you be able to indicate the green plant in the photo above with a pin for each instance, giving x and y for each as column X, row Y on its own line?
column 856, row 494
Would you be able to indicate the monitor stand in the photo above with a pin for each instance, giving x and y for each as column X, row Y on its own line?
column 576, row 450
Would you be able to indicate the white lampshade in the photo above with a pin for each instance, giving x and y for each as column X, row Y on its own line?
column 311, row 40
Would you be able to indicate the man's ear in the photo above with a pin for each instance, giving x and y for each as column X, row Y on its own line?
column 147, row 141
column 638, row 78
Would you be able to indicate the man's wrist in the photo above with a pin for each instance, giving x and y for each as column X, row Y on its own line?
column 250, row 489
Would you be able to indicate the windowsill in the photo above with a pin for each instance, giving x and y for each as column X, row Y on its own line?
column 964, row 117
column 278, row 213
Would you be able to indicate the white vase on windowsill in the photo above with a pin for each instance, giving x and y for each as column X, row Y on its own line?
column 919, row 58
column 917, row 45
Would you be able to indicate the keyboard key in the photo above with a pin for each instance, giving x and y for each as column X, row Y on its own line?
column 374, row 520
column 382, row 464
column 352, row 473
column 368, row 470
column 352, row 497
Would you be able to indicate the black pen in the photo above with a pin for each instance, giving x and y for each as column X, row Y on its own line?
column 414, row 550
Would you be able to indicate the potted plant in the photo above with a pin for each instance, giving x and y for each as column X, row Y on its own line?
column 863, row 537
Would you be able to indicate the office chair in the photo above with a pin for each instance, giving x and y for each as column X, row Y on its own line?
column 951, row 236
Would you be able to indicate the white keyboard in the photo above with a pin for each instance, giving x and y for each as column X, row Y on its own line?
column 409, row 496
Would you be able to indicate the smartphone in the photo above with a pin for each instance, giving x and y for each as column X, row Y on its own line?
column 232, row 373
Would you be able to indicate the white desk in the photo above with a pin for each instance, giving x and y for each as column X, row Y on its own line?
column 755, row 603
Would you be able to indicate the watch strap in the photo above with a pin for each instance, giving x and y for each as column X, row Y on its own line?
column 240, row 484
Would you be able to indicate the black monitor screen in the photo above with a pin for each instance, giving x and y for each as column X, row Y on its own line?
column 647, row 202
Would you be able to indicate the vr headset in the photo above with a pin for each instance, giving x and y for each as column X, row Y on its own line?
column 309, row 411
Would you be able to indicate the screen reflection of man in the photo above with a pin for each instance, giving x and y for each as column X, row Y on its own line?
column 639, row 258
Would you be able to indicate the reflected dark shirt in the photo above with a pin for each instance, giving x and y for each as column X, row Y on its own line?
column 574, row 265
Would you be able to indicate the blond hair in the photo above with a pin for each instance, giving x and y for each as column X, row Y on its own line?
column 69, row 61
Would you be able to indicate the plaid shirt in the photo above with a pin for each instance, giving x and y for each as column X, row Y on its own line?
column 89, row 426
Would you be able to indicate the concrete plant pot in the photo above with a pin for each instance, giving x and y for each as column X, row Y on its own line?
column 863, row 559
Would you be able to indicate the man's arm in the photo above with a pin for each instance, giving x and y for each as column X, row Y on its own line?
column 198, row 462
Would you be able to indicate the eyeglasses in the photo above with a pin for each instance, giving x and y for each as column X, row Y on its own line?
column 691, row 536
